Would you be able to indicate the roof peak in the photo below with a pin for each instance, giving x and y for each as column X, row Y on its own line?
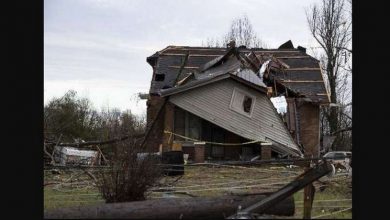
column 225, row 48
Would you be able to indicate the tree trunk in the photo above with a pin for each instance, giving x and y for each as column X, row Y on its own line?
column 186, row 208
column 333, row 115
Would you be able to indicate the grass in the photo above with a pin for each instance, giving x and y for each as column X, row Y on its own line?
column 211, row 181
column 77, row 197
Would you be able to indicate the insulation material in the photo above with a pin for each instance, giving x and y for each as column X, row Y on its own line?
column 280, row 104
column 263, row 68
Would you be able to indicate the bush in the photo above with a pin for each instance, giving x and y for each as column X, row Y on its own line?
column 128, row 178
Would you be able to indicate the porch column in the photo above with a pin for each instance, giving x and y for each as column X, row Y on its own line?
column 168, row 125
column 265, row 152
column 199, row 148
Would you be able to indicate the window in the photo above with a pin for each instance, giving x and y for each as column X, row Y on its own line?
column 159, row 77
column 329, row 155
column 179, row 123
column 339, row 155
column 242, row 102
column 186, row 124
column 217, row 151
column 247, row 104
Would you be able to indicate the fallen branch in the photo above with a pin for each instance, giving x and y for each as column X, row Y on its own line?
column 47, row 153
column 91, row 175
column 101, row 153
column 98, row 142
column 342, row 130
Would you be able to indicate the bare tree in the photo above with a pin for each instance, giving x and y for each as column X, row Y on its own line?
column 241, row 31
column 330, row 25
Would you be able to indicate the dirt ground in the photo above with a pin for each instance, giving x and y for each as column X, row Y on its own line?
column 75, row 188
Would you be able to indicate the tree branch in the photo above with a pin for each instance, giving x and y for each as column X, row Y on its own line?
column 342, row 130
column 98, row 142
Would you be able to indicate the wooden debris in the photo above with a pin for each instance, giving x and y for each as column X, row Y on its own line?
column 186, row 208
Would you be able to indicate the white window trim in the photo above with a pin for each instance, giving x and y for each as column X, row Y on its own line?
column 242, row 112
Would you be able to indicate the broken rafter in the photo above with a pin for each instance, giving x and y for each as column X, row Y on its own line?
column 185, row 79
column 185, row 67
column 182, row 66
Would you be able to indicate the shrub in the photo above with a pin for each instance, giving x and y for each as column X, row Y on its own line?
column 128, row 178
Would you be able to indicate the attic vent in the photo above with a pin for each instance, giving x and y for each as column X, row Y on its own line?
column 159, row 77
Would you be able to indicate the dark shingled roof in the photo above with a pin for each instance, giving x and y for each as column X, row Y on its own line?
column 303, row 74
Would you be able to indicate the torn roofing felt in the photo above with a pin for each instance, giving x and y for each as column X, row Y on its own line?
column 301, row 72
column 209, row 102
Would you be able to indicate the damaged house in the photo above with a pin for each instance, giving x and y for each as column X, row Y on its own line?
column 227, row 103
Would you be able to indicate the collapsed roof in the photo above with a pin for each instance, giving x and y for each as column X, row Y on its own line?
column 301, row 73
column 180, row 69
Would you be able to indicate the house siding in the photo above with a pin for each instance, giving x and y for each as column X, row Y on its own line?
column 212, row 102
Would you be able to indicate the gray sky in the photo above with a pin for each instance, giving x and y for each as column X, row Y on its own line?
column 99, row 47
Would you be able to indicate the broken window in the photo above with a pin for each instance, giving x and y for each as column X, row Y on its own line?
column 247, row 104
column 159, row 77
column 242, row 102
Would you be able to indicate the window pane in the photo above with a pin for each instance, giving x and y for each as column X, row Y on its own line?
column 179, row 125
column 247, row 104
column 194, row 125
column 217, row 151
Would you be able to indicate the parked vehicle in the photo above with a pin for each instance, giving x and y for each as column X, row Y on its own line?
column 338, row 156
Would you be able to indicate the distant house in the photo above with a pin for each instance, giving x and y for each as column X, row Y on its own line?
column 221, row 98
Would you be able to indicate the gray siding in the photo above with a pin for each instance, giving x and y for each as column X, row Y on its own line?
column 212, row 102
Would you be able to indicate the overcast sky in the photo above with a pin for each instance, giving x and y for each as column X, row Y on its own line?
column 99, row 47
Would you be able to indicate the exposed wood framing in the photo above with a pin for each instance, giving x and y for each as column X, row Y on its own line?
column 205, row 55
column 301, row 81
column 271, row 51
column 172, row 54
column 184, row 79
column 186, row 67
column 293, row 57
column 303, row 69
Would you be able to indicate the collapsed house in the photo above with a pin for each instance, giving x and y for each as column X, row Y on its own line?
column 227, row 103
